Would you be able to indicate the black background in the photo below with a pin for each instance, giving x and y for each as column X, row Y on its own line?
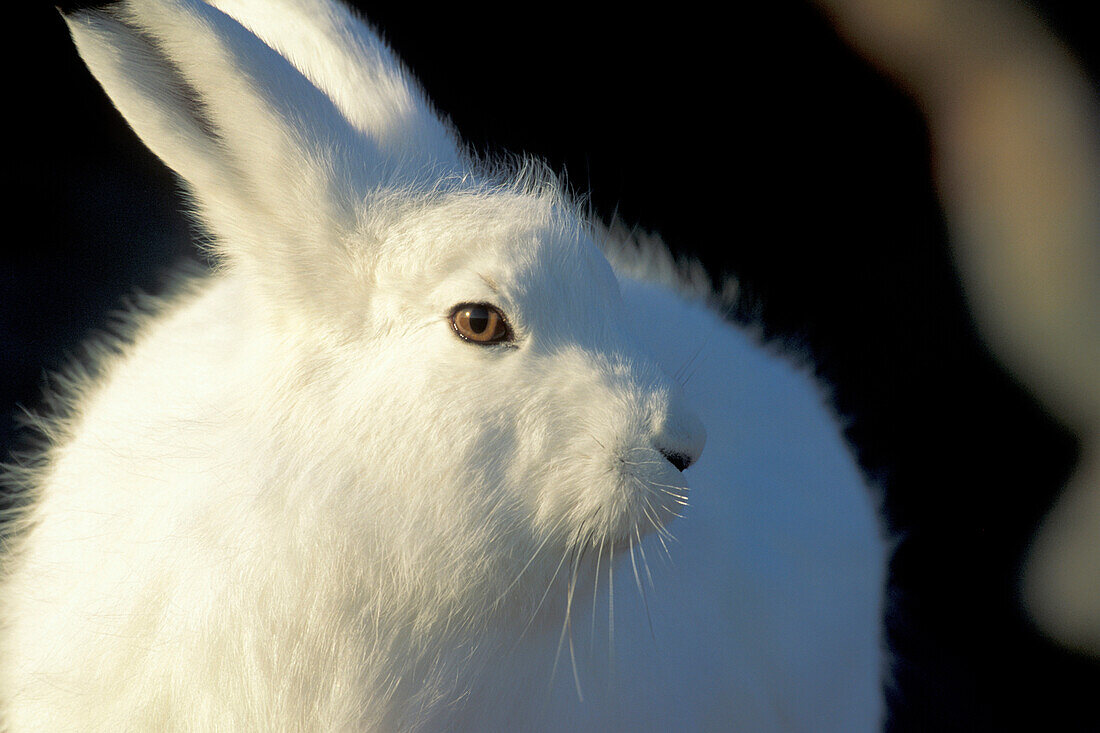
column 756, row 142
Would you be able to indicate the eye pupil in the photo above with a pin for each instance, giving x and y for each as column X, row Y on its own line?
column 478, row 318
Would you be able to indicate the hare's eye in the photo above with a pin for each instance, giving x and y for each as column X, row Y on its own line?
column 480, row 323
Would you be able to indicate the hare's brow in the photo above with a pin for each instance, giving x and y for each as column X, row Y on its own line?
column 490, row 282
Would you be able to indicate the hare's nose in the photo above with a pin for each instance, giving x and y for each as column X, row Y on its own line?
column 681, row 439
column 679, row 460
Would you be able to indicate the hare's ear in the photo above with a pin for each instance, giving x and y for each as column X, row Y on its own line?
column 275, row 169
column 346, row 58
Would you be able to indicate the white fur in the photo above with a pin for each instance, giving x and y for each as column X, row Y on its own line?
column 298, row 501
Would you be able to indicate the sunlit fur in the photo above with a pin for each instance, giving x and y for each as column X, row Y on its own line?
column 293, row 499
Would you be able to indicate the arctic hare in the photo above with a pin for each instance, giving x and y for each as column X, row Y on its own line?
column 411, row 458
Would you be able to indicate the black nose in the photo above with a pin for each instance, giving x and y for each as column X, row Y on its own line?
column 679, row 460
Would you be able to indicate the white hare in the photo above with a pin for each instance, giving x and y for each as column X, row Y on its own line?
column 410, row 459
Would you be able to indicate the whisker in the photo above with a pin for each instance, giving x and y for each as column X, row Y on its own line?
column 573, row 661
column 676, row 487
column 641, row 590
column 717, row 324
column 634, row 566
column 690, row 361
column 679, row 516
column 651, row 487
column 596, row 440
column 678, row 492
column 660, row 531
column 647, row 510
column 611, row 616
column 681, row 500
column 534, row 555
column 595, row 595
column 641, row 551
column 577, row 551
column 542, row 600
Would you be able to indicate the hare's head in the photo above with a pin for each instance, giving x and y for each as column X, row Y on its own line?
column 447, row 359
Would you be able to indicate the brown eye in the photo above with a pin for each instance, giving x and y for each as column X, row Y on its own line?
column 480, row 323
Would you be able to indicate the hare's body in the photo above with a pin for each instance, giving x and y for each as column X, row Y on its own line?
column 304, row 499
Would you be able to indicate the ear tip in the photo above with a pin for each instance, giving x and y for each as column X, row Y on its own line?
column 70, row 7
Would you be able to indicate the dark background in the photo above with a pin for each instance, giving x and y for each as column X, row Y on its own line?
column 756, row 142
